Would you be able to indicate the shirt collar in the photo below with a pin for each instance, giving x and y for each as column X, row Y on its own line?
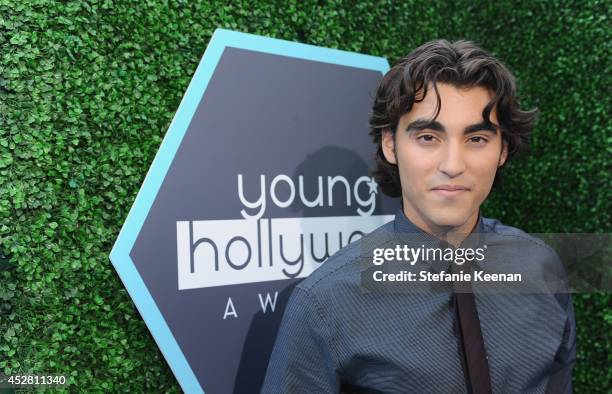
column 409, row 232
column 404, row 225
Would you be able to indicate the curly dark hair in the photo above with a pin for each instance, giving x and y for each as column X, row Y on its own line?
column 461, row 64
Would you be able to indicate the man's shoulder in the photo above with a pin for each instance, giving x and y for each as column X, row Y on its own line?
column 493, row 225
column 522, row 252
column 512, row 236
column 344, row 265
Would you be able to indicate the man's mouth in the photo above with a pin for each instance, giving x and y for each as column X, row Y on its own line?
column 450, row 191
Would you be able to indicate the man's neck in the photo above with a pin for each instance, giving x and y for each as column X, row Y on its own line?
column 454, row 235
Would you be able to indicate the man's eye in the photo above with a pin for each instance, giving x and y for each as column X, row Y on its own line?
column 478, row 140
column 427, row 138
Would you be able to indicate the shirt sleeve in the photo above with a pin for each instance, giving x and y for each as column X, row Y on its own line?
column 302, row 360
column 560, row 380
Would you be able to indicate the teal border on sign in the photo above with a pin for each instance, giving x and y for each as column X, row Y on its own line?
column 120, row 253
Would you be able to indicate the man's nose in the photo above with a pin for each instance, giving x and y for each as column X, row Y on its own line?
column 452, row 162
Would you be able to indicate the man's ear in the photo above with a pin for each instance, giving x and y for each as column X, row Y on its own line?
column 504, row 154
column 388, row 146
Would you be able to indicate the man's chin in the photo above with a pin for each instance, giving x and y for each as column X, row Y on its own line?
column 450, row 220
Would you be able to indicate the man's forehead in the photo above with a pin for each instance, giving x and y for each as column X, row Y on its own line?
column 451, row 92
column 457, row 104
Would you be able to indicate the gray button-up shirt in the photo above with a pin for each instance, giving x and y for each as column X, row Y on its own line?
column 342, row 330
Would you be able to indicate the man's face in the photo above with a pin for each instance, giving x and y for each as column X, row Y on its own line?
column 447, row 166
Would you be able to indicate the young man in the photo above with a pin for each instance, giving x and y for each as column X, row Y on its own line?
column 445, row 120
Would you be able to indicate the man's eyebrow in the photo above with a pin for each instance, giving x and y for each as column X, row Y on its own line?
column 422, row 124
column 482, row 126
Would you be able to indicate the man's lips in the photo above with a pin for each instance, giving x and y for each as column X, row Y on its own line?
column 450, row 187
column 449, row 190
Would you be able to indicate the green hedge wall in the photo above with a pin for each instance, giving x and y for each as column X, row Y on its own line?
column 88, row 89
